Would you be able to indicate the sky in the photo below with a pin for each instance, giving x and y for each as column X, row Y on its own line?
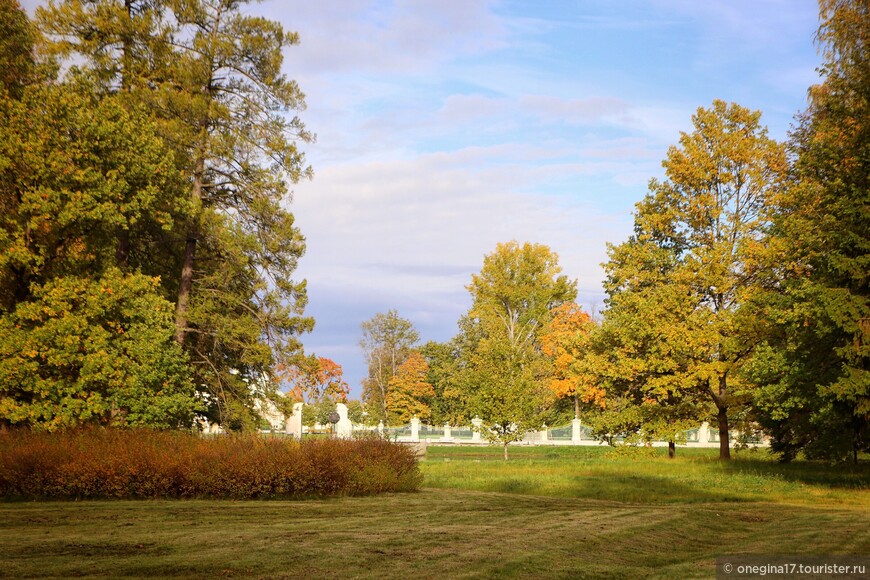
column 445, row 127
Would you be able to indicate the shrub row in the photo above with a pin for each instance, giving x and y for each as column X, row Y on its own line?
column 120, row 463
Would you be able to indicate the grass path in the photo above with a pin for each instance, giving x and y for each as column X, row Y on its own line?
column 434, row 533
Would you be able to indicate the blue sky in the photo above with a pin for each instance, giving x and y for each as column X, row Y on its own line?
column 447, row 126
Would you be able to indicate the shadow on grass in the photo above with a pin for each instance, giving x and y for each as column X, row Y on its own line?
column 815, row 473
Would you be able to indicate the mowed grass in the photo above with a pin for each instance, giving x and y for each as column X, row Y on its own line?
column 539, row 520
column 694, row 476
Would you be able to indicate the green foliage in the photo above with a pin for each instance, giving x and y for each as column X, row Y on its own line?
column 76, row 172
column 17, row 39
column 680, row 322
column 445, row 375
column 317, row 413
column 210, row 77
column 387, row 341
column 506, row 375
column 815, row 374
column 100, row 463
column 87, row 350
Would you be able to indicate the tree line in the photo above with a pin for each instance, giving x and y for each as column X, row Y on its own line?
column 146, row 252
column 741, row 298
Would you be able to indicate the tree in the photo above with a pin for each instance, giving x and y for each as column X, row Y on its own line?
column 75, row 170
column 81, row 340
column 409, row 391
column 317, row 378
column 211, row 77
column 642, row 355
column 708, row 219
column 815, row 370
column 94, row 350
column 445, row 374
column 17, row 39
column 566, row 343
column 387, row 341
column 512, row 298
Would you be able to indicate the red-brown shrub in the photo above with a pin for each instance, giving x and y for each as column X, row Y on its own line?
column 116, row 463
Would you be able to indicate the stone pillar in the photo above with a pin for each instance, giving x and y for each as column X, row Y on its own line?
column 293, row 425
column 415, row 429
column 543, row 434
column 704, row 434
column 344, row 428
column 381, row 427
column 575, row 431
column 448, row 436
column 477, row 424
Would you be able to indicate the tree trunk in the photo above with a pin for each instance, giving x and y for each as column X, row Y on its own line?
column 186, row 282
column 724, row 447
column 672, row 449
column 122, row 251
column 505, row 452
column 576, row 406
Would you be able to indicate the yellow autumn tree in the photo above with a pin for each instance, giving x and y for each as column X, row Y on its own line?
column 409, row 390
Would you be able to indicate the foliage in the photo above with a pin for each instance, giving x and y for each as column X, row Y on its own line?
column 211, row 78
column 448, row 404
column 506, row 373
column 316, row 378
column 101, row 463
column 17, row 40
column 317, row 413
column 566, row 343
column 75, row 171
column 387, row 341
column 409, row 391
column 94, row 351
column 681, row 317
column 814, row 372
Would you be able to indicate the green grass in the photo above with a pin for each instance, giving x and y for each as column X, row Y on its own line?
column 568, row 513
column 694, row 476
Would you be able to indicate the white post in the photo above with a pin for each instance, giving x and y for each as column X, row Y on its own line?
column 293, row 425
column 704, row 434
column 415, row 429
column 543, row 434
column 381, row 427
column 575, row 431
column 448, row 436
column 476, row 423
column 344, row 428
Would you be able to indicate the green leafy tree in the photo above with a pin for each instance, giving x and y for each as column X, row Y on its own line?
column 643, row 354
column 700, row 233
column 445, row 375
column 506, row 375
column 387, row 341
column 17, row 40
column 814, row 372
column 86, row 350
column 211, row 77
column 74, row 171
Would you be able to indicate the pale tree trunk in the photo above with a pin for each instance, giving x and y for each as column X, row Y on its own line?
column 505, row 452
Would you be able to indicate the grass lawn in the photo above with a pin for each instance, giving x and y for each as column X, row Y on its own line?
column 547, row 513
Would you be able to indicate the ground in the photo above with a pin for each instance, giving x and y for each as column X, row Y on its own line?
column 549, row 514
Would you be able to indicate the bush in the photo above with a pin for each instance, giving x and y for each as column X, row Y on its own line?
column 127, row 463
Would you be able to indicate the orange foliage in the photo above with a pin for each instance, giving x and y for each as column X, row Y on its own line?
column 565, row 343
column 315, row 378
